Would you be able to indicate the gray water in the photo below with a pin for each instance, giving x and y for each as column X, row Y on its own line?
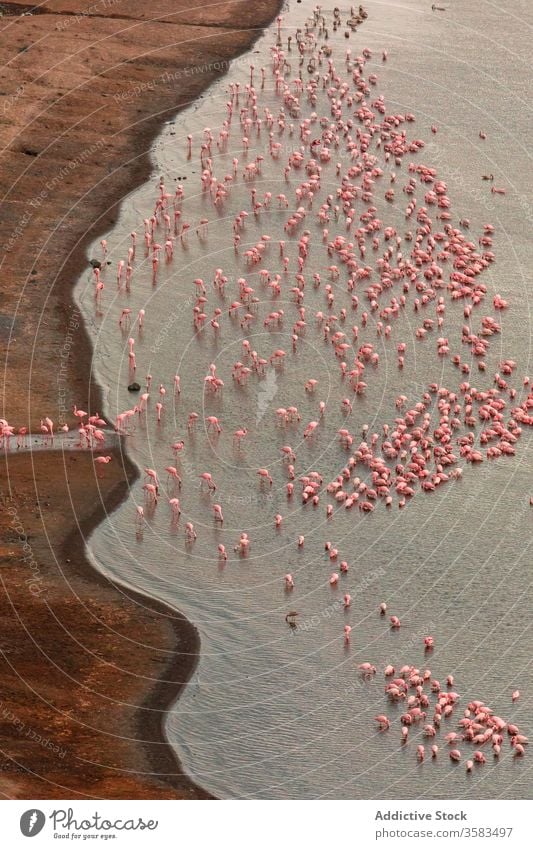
column 276, row 713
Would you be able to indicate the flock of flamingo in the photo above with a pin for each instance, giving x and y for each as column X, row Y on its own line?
column 340, row 154
column 478, row 727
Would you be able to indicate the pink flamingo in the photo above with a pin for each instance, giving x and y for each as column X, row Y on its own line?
column 213, row 422
column 175, row 508
column 151, row 474
column 265, row 475
column 80, row 414
column 190, row 533
column 102, row 461
column 172, row 473
column 240, row 434
column 150, row 492
column 139, row 518
column 206, row 476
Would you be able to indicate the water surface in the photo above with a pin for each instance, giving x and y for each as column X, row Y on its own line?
column 272, row 713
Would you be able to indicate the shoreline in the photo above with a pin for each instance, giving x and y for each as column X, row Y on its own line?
column 180, row 666
column 29, row 387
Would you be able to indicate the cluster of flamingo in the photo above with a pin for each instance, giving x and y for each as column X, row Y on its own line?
column 423, row 697
column 91, row 433
column 426, row 271
column 385, row 291
column 375, row 275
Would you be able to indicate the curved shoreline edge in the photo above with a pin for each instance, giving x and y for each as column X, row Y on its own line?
column 32, row 700
column 181, row 664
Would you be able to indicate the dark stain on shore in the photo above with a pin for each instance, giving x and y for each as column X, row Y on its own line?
column 8, row 326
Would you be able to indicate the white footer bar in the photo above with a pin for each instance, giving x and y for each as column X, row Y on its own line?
column 254, row 824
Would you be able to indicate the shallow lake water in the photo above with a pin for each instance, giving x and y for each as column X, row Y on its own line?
column 273, row 712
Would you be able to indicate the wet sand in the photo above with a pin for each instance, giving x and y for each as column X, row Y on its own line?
column 87, row 669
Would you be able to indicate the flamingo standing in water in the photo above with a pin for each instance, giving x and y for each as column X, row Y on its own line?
column 363, row 158
column 265, row 475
